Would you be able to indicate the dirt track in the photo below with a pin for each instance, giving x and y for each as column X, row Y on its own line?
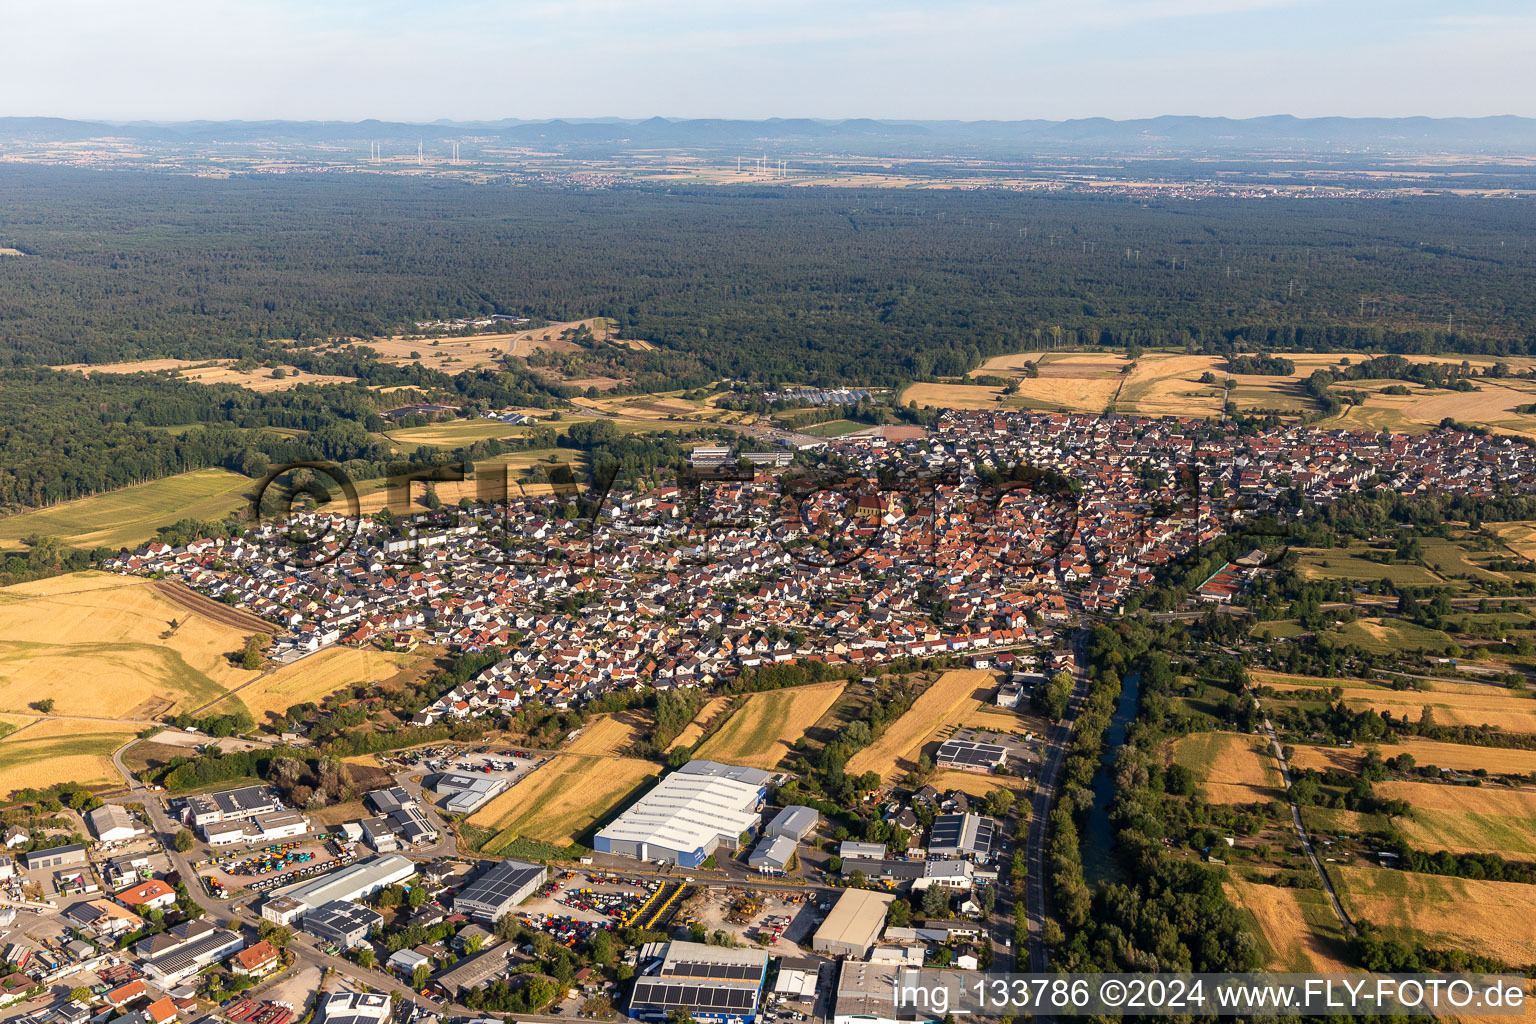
column 180, row 593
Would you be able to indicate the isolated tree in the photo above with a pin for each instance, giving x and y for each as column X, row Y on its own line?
column 183, row 841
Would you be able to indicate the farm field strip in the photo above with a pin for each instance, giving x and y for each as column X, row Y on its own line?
column 1490, row 707
column 694, row 731
column 952, row 696
column 130, row 515
column 100, row 645
column 561, row 799
column 57, row 750
column 1232, row 768
column 1470, row 914
column 313, row 678
column 610, row 735
column 761, row 732
column 1455, row 756
column 1292, row 940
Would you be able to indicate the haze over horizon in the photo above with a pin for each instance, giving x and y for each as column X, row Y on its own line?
column 468, row 60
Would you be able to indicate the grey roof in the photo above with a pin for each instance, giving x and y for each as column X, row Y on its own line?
column 475, row 971
column 774, row 851
column 110, row 816
column 795, row 820
column 962, row 833
column 972, row 753
column 498, row 885
column 341, row 916
column 710, row 979
column 714, row 769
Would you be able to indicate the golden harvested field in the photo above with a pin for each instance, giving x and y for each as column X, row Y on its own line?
column 695, row 729
column 1519, row 536
column 1295, row 945
column 479, row 351
column 611, row 735
column 953, row 696
column 1510, row 713
column 315, row 677
column 1466, row 819
column 263, row 379
column 1471, row 914
column 57, row 750
column 1456, row 756
column 972, row 784
column 216, row 372
column 561, row 799
column 524, row 473
column 762, row 730
column 130, row 516
column 1232, row 769
column 135, row 366
column 93, row 643
column 1167, row 383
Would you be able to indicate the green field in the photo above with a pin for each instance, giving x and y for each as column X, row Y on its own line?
column 1338, row 563
column 1389, row 636
column 128, row 517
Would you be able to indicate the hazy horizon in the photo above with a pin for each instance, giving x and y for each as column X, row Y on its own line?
column 964, row 60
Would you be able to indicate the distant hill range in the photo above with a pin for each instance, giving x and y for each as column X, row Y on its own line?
column 1171, row 135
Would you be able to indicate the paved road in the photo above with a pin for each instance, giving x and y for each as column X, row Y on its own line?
column 1304, row 835
column 1044, row 798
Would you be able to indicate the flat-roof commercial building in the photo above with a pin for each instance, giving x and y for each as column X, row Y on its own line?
column 112, row 823
column 701, row 807
column 232, row 805
column 199, row 948
column 341, row 923
column 357, row 1008
column 711, row 983
column 853, row 925
column 795, row 821
column 962, row 835
column 467, row 793
column 474, row 972
column 497, row 891
column 58, row 857
column 772, row 855
column 267, row 827
column 866, row 994
column 347, row 884
column 971, row 755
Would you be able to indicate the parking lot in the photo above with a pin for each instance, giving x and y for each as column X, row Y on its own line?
column 269, row 866
column 506, row 763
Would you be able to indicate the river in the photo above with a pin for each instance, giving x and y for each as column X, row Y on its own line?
column 1098, row 837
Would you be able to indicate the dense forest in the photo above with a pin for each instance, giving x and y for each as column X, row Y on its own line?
column 818, row 286
column 827, row 286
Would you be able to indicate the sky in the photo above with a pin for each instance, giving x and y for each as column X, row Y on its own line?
column 426, row 60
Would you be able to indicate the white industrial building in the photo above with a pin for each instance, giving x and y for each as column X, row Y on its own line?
column 349, row 883
column 274, row 827
column 772, row 855
column 701, row 807
column 947, row 874
column 232, row 805
column 112, row 823
column 357, row 1008
column 466, row 793
column 795, row 821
